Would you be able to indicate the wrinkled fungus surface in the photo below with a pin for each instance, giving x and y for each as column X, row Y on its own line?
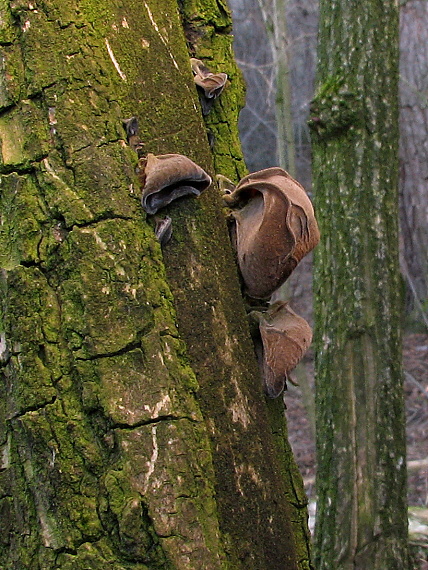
column 168, row 177
column 275, row 228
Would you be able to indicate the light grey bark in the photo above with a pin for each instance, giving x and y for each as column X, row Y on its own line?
column 414, row 150
column 274, row 17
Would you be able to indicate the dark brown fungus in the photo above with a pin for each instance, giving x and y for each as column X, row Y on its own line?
column 131, row 127
column 275, row 228
column 167, row 177
column 211, row 84
column 132, row 133
column 163, row 229
column 285, row 338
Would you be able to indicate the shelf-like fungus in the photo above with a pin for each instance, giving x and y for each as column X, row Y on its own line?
column 285, row 338
column 275, row 228
column 166, row 177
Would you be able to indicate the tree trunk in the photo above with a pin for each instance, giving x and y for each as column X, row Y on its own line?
column 133, row 426
column 413, row 150
column 361, row 479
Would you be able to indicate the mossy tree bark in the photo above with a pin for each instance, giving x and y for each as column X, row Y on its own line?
column 134, row 431
column 361, row 509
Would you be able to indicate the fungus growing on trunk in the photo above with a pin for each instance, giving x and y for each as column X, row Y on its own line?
column 275, row 228
column 132, row 133
column 167, row 177
column 285, row 338
column 163, row 229
column 211, row 84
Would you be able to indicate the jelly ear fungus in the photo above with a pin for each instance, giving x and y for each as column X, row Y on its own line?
column 167, row 177
column 275, row 228
column 210, row 84
column 281, row 342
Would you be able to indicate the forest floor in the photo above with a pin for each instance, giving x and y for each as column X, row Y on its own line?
column 415, row 363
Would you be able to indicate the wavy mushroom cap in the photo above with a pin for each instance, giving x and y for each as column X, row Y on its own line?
column 211, row 83
column 168, row 177
column 285, row 339
column 275, row 228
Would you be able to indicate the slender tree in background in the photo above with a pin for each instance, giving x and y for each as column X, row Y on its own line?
column 361, row 479
column 274, row 17
column 253, row 51
column 133, row 427
column 413, row 151
column 259, row 52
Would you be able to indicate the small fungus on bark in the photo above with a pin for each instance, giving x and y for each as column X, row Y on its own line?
column 163, row 229
column 225, row 184
column 211, row 84
column 275, row 228
column 132, row 133
column 285, row 338
column 166, row 177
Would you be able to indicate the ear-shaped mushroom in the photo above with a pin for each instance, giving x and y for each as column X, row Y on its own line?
column 212, row 83
column 285, row 339
column 168, row 177
column 275, row 228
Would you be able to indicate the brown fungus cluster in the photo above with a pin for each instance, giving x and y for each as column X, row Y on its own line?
column 273, row 228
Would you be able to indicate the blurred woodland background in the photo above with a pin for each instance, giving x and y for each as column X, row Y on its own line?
column 281, row 87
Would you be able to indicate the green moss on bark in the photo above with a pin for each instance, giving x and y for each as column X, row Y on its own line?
column 86, row 311
column 295, row 492
column 207, row 27
column 134, row 432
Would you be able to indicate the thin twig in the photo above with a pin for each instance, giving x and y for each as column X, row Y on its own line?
column 416, row 464
column 261, row 120
column 420, row 386
column 414, row 293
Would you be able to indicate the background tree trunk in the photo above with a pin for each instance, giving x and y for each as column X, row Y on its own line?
column 413, row 151
column 133, row 427
column 274, row 17
column 361, row 507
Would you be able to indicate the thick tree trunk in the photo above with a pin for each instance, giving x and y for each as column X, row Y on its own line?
column 361, row 507
column 133, row 426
